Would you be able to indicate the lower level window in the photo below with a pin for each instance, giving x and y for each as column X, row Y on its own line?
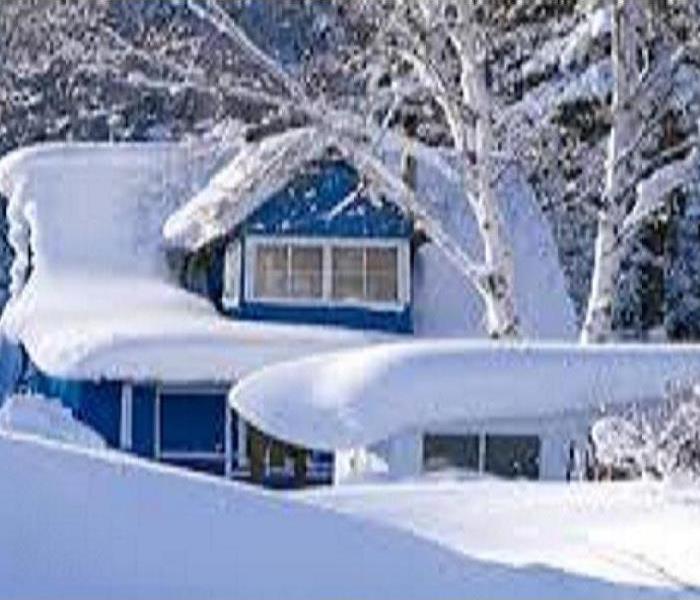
column 507, row 455
column 445, row 452
column 513, row 456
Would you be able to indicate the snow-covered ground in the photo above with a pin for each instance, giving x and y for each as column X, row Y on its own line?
column 636, row 533
column 84, row 523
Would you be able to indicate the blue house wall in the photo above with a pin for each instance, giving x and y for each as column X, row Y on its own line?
column 192, row 422
column 324, row 203
column 310, row 206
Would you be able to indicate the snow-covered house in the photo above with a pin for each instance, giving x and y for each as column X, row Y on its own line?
column 143, row 288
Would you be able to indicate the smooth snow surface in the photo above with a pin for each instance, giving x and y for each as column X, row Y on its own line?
column 357, row 398
column 47, row 418
column 97, row 301
column 627, row 533
column 80, row 524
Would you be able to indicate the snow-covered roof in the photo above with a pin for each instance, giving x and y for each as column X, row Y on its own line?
column 97, row 301
column 256, row 172
column 357, row 398
column 445, row 304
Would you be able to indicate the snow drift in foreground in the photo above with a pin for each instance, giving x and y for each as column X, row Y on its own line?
column 82, row 524
column 356, row 398
column 48, row 418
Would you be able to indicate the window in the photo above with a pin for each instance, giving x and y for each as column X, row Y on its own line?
column 348, row 274
column 503, row 455
column 513, row 456
column 382, row 267
column 327, row 272
column 285, row 271
column 444, row 452
column 306, row 272
column 365, row 274
column 271, row 272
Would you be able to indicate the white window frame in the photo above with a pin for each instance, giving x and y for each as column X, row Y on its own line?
column 232, row 276
column 252, row 243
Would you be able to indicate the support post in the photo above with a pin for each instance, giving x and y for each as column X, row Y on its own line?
column 228, row 440
column 126, row 421
column 156, row 425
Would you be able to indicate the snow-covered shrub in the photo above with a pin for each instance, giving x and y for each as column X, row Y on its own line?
column 48, row 418
column 678, row 440
column 663, row 444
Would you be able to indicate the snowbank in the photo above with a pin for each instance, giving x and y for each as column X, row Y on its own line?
column 81, row 524
column 48, row 418
column 99, row 303
column 631, row 533
column 357, row 398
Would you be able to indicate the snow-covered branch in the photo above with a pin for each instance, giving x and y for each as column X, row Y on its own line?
column 209, row 10
column 653, row 192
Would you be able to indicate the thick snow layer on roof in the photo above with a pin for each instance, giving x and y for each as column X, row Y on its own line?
column 98, row 302
column 84, row 326
column 258, row 171
column 357, row 398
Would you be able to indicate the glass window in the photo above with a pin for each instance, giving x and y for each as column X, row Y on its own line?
column 348, row 274
column 307, row 272
column 298, row 271
column 513, row 456
column 271, row 272
column 444, row 452
column 382, row 282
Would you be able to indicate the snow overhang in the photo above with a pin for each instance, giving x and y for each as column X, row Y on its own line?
column 89, row 328
column 357, row 398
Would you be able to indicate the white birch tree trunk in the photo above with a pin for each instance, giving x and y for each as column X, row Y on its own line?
column 498, row 287
column 598, row 323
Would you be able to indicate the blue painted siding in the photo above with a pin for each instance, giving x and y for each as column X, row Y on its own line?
column 347, row 316
column 316, row 205
column 143, row 419
column 308, row 207
column 191, row 421
column 98, row 405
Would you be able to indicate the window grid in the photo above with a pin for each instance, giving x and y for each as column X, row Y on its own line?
column 381, row 278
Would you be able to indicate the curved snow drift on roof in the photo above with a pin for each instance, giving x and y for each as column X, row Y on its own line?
column 97, row 301
column 357, row 398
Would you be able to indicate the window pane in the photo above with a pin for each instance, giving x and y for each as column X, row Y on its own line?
column 513, row 456
column 271, row 272
column 307, row 272
column 382, row 283
column 348, row 274
column 445, row 452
